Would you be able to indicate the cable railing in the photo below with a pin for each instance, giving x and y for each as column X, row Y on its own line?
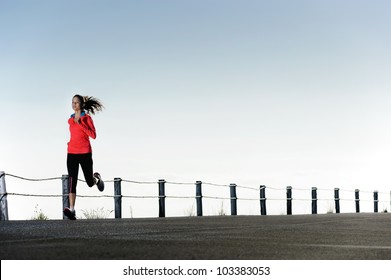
column 211, row 190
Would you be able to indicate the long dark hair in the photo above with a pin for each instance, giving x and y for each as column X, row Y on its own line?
column 90, row 104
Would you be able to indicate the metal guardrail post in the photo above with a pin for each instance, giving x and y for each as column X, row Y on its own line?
column 3, row 198
column 162, row 198
column 289, row 200
column 65, row 193
column 262, row 197
column 357, row 200
column 199, row 197
column 336, row 198
column 314, row 201
column 117, row 198
column 376, row 201
column 234, row 210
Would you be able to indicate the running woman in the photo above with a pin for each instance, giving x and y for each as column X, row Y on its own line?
column 82, row 129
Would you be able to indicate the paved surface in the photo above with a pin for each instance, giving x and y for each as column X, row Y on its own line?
column 303, row 237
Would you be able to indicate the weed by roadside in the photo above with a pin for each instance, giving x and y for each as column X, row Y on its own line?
column 99, row 213
column 39, row 215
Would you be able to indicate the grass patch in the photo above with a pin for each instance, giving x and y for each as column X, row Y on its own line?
column 39, row 215
column 99, row 213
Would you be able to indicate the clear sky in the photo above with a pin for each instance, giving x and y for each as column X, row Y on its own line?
column 275, row 93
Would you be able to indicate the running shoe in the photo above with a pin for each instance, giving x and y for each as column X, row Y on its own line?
column 71, row 215
column 99, row 182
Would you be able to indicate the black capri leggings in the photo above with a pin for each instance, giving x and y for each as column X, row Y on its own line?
column 73, row 161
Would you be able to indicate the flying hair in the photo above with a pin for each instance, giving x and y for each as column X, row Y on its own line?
column 90, row 104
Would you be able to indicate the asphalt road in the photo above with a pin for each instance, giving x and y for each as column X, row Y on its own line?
column 303, row 237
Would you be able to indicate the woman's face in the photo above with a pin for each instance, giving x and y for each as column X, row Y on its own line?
column 76, row 105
